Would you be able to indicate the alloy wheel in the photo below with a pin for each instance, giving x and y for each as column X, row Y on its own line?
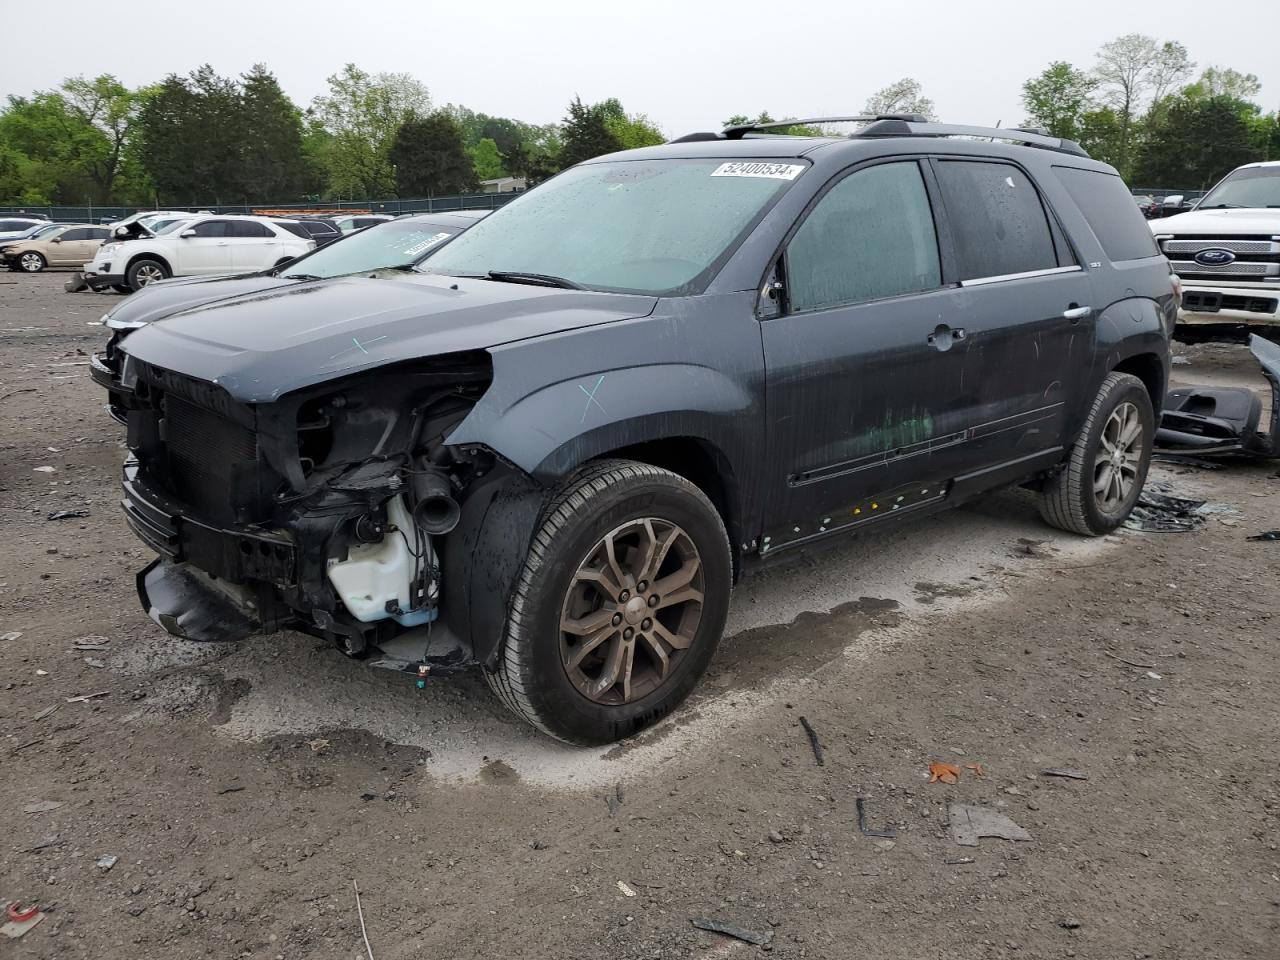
column 631, row 611
column 32, row 262
column 1115, row 471
column 147, row 273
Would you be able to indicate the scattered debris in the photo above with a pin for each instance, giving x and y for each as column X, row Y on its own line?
column 1152, row 675
column 613, row 799
column 1132, row 663
column 11, row 635
column 1160, row 513
column 318, row 744
column 732, row 930
column 90, row 643
column 1069, row 774
column 888, row 832
column 20, row 921
column 360, row 911
column 46, row 712
column 1070, row 923
column 1269, row 535
column 106, row 862
column 237, row 788
column 84, row 697
column 975, row 767
column 53, row 840
column 44, row 469
column 626, row 890
column 95, row 662
column 969, row 823
column 776, row 837
column 813, row 741
column 67, row 515
column 41, row 806
column 944, row 772
column 957, row 861
column 1180, row 359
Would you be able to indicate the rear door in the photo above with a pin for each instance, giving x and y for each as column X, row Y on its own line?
column 205, row 250
column 254, row 245
column 1024, row 304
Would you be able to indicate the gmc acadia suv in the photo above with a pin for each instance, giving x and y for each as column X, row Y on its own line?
column 551, row 447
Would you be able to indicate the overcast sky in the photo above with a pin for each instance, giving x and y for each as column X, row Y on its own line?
column 688, row 65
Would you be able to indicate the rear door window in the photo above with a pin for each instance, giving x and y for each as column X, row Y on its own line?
column 870, row 236
column 997, row 219
column 248, row 228
column 77, row 233
column 1113, row 216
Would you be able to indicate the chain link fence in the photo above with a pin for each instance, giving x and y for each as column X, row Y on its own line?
column 90, row 213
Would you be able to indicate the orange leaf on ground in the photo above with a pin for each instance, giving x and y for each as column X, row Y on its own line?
column 975, row 767
column 945, row 772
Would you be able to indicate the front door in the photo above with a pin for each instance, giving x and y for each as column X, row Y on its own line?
column 203, row 248
column 862, row 369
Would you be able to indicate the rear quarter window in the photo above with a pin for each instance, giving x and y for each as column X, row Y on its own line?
column 1112, row 215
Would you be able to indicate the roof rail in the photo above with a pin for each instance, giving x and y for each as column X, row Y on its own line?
column 1032, row 137
column 738, row 131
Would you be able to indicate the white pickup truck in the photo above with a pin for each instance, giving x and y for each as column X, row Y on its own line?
column 1226, row 249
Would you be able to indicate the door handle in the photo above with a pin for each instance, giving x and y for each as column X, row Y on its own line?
column 1074, row 313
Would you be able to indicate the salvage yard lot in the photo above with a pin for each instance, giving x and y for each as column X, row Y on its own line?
column 243, row 787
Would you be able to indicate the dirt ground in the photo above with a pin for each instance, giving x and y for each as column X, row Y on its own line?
column 244, row 787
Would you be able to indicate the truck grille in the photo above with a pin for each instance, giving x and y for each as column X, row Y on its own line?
column 205, row 453
column 1256, row 259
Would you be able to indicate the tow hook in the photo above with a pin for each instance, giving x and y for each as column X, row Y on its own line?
column 423, row 670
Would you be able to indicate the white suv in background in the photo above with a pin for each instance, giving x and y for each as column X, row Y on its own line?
column 199, row 246
column 1226, row 250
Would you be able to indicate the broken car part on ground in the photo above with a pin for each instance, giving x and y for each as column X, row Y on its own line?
column 550, row 452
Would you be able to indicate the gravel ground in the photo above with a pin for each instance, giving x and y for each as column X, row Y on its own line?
column 243, row 787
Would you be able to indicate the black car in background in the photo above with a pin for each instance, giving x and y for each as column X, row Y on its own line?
column 550, row 448
column 323, row 230
column 394, row 245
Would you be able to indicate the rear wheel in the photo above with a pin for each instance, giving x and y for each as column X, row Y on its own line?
column 31, row 262
column 1104, row 475
column 619, row 606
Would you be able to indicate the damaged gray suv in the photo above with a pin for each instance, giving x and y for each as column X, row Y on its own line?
column 550, row 448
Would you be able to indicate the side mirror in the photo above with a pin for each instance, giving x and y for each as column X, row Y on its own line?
column 55, row 239
column 1175, row 201
column 121, row 232
column 187, row 233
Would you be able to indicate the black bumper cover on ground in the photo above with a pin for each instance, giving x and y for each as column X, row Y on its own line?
column 183, row 602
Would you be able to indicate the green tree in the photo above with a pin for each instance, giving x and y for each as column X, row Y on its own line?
column 273, row 166
column 193, row 134
column 430, row 157
column 586, row 133
column 1224, row 82
column 905, row 96
column 487, row 160
column 363, row 113
column 1058, row 98
column 110, row 108
column 1194, row 143
column 1134, row 71
column 1101, row 135
column 630, row 130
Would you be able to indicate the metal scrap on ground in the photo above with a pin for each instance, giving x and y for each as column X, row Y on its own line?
column 969, row 823
column 888, row 832
column 813, row 741
column 732, row 930
column 1069, row 774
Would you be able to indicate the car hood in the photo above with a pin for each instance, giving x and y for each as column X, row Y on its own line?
column 1224, row 223
column 259, row 346
column 166, row 297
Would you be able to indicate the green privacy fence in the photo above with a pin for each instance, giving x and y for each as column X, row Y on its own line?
column 94, row 214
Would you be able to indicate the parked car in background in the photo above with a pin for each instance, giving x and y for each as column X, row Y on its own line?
column 35, row 230
column 57, row 245
column 551, row 448
column 1149, row 206
column 12, row 227
column 322, row 230
column 359, row 221
column 379, row 251
column 126, row 229
column 1227, row 249
column 199, row 246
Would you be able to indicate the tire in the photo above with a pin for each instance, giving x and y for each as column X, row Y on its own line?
column 635, row 506
column 1070, row 501
column 31, row 262
column 144, row 270
column 282, row 261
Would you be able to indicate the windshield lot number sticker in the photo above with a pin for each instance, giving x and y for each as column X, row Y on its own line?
column 773, row 171
column 426, row 244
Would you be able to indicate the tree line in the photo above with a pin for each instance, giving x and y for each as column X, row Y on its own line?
column 205, row 138
column 1143, row 108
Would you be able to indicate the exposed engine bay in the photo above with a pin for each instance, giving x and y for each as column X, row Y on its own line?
column 325, row 511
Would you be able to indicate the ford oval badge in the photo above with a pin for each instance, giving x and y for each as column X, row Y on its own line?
column 1215, row 257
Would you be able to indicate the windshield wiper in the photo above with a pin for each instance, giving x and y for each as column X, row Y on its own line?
column 1222, row 206
column 540, row 279
column 299, row 276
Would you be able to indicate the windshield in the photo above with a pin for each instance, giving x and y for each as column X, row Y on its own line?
column 394, row 243
column 159, row 227
column 45, row 231
column 1253, row 187
column 636, row 226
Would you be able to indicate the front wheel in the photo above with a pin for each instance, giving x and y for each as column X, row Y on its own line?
column 1104, row 474
column 144, row 271
column 619, row 605
column 31, row 262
